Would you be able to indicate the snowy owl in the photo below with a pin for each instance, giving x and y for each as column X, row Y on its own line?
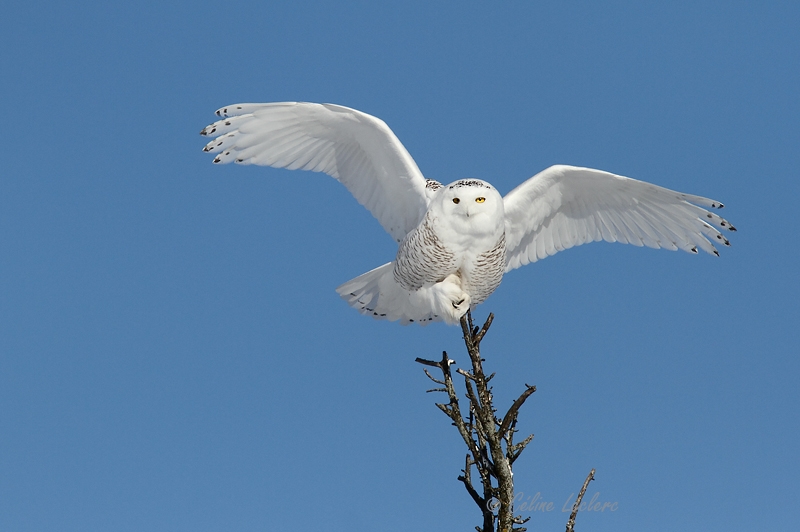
column 455, row 241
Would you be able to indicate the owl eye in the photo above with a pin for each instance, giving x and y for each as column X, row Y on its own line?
column 480, row 200
column 456, row 200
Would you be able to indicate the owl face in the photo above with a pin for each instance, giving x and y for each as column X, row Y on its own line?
column 471, row 203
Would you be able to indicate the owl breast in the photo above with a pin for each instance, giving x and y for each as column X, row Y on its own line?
column 423, row 257
column 482, row 275
column 430, row 253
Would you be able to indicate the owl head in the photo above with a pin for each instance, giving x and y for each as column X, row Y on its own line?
column 471, row 203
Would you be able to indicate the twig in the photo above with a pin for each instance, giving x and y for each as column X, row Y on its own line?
column 466, row 478
column 574, row 514
column 484, row 329
column 512, row 412
column 431, row 377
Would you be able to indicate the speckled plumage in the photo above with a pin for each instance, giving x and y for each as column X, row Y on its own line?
column 455, row 241
column 423, row 258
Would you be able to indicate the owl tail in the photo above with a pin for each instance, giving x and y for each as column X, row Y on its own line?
column 377, row 294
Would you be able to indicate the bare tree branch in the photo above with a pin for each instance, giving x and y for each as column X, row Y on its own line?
column 431, row 377
column 574, row 514
column 490, row 439
column 511, row 415
column 466, row 478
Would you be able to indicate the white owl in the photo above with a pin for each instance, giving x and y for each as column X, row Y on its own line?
column 455, row 241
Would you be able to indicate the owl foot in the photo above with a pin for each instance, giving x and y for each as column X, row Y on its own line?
column 460, row 307
column 449, row 300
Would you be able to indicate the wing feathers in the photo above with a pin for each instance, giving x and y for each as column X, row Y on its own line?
column 357, row 149
column 239, row 109
column 561, row 207
column 566, row 206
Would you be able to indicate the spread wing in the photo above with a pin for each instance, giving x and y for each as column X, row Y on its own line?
column 566, row 206
column 357, row 149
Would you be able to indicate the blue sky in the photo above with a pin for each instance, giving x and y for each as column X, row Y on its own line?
column 173, row 355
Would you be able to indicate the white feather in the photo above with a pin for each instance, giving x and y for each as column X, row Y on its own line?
column 564, row 206
column 357, row 149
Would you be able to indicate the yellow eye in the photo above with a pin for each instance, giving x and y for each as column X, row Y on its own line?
column 480, row 200
column 456, row 200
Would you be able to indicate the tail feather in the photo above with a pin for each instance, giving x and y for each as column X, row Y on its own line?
column 377, row 294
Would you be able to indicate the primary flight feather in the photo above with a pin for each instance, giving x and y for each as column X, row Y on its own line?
column 455, row 241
